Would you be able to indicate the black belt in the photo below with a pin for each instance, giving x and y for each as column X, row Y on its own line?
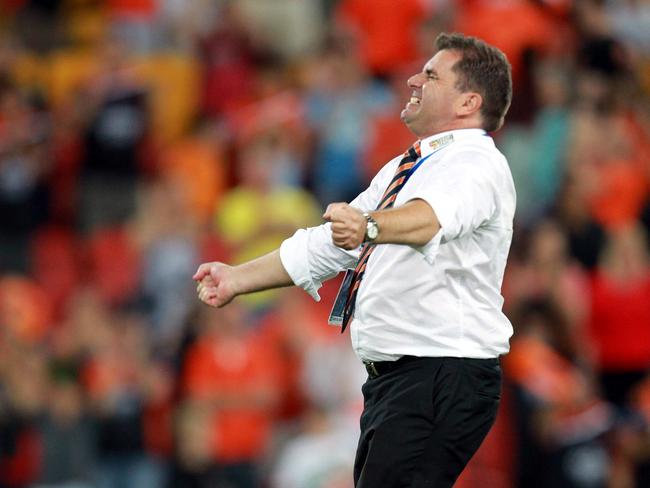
column 378, row 368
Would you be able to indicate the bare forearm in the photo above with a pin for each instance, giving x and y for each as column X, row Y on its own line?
column 414, row 223
column 263, row 273
column 219, row 283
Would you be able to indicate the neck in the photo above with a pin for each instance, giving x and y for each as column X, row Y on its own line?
column 456, row 125
column 443, row 131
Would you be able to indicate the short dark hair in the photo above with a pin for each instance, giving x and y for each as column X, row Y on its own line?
column 484, row 69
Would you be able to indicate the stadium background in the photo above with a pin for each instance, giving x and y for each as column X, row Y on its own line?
column 139, row 138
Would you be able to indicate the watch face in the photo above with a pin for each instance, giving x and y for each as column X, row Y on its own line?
column 372, row 230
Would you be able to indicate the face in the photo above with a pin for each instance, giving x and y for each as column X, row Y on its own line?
column 433, row 106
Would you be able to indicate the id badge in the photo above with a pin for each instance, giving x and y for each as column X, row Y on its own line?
column 336, row 315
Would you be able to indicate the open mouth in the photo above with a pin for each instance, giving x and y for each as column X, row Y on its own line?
column 414, row 100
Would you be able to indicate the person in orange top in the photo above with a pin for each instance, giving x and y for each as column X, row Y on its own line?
column 234, row 375
column 621, row 171
column 385, row 29
column 196, row 166
column 559, row 416
column 26, row 310
column 528, row 27
column 620, row 316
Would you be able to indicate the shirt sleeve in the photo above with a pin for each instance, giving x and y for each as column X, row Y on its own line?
column 462, row 194
column 310, row 257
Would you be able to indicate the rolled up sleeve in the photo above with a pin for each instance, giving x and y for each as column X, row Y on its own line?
column 310, row 257
column 462, row 195
column 430, row 249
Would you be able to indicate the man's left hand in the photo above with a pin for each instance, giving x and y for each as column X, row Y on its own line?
column 348, row 225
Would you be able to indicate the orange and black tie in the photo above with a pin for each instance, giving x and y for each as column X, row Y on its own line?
column 402, row 174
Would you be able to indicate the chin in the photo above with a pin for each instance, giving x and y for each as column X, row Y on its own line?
column 407, row 117
column 408, row 122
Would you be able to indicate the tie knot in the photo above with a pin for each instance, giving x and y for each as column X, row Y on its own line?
column 412, row 154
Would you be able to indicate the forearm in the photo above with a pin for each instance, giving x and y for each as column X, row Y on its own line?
column 414, row 223
column 300, row 261
column 263, row 273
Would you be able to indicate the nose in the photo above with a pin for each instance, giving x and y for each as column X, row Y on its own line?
column 415, row 81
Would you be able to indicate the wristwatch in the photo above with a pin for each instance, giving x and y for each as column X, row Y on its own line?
column 372, row 229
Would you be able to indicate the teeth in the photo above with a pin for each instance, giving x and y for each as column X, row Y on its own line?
column 415, row 100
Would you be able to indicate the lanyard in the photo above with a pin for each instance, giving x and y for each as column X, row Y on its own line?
column 422, row 160
column 417, row 165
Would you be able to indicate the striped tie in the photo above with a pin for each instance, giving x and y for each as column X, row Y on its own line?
column 387, row 200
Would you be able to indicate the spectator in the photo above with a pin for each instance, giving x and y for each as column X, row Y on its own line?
column 319, row 456
column 620, row 314
column 560, row 419
column 548, row 273
column 114, row 377
column 384, row 32
column 538, row 152
column 67, row 438
column 341, row 100
column 24, row 168
column 116, row 130
column 233, row 376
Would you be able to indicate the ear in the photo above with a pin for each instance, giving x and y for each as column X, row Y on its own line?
column 469, row 103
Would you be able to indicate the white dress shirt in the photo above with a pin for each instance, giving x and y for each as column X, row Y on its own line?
column 441, row 299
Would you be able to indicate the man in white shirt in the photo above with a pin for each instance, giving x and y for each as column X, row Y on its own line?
column 428, row 242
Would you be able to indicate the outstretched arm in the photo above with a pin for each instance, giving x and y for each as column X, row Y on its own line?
column 219, row 283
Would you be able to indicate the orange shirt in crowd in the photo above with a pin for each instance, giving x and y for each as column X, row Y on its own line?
column 274, row 333
column 238, row 377
column 511, row 25
column 622, row 193
column 389, row 137
column 25, row 308
column 386, row 30
column 620, row 324
column 295, row 324
column 543, row 372
column 199, row 171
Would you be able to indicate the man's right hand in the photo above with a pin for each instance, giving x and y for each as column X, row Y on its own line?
column 215, row 284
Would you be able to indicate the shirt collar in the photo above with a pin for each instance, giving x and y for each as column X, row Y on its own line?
column 432, row 143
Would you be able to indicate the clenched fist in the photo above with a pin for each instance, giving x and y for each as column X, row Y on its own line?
column 215, row 284
column 348, row 225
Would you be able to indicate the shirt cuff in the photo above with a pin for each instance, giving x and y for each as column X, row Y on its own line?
column 294, row 257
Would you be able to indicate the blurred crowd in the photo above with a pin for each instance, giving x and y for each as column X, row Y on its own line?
column 139, row 138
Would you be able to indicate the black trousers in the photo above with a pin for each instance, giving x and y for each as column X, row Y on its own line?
column 424, row 419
